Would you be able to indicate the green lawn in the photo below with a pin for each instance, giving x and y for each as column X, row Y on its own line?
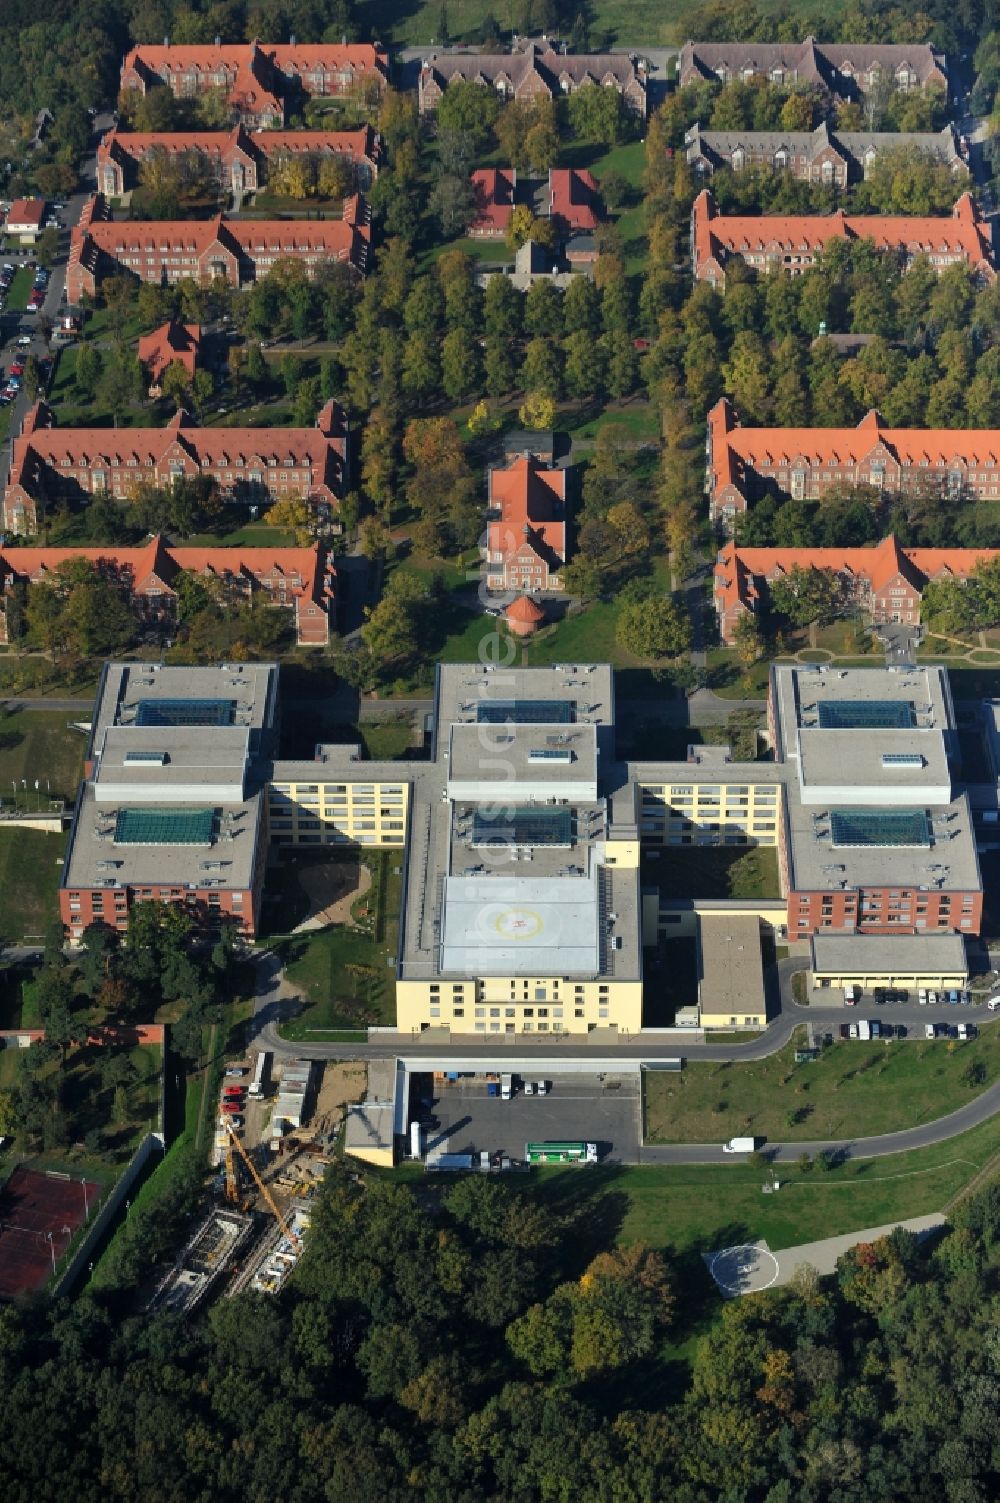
column 728, row 678
column 39, row 744
column 643, row 23
column 98, row 325
column 64, row 378
column 254, row 535
column 714, row 871
column 488, row 250
column 853, row 1089
column 30, row 868
column 345, row 971
column 20, row 286
column 638, row 419
column 387, row 740
column 693, row 1209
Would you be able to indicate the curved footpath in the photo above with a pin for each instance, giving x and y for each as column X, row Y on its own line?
column 276, row 1000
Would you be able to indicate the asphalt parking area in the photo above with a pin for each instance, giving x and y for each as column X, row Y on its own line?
column 576, row 1107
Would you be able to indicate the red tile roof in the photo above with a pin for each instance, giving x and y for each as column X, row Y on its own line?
column 171, row 341
column 574, row 198
column 781, row 446
column 41, row 445
column 738, row 570
column 524, row 609
column 960, row 234
column 493, row 190
column 26, row 211
column 531, row 501
column 157, row 564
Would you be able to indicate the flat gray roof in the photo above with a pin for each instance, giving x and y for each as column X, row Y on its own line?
column 194, row 755
column 463, row 687
column 798, row 691
column 226, row 861
column 854, row 759
column 731, row 969
column 515, row 753
column 908, row 952
column 252, row 687
column 815, row 863
column 521, row 925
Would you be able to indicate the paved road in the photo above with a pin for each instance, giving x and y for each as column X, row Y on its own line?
column 277, row 1001
column 32, row 323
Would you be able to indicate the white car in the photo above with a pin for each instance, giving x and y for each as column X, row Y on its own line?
column 993, row 1004
column 922, row 996
column 932, row 998
column 529, row 1087
column 929, row 1030
column 543, row 1088
column 24, row 340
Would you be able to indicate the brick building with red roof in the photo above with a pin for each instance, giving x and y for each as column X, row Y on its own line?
column 53, row 465
column 240, row 251
column 574, row 201
column 886, row 582
column 526, row 527
column 791, row 243
column 264, row 83
column 172, row 343
column 300, row 579
column 493, row 192
column 239, row 159
column 745, row 464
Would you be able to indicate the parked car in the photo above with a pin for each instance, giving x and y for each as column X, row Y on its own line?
column 236, row 1072
column 845, row 1031
column 529, row 1087
column 922, row 996
column 932, row 998
column 237, row 1122
column 232, row 1108
column 852, row 1030
column 963, row 1031
column 929, row 1030
column 24, row 340
column 543, row 1088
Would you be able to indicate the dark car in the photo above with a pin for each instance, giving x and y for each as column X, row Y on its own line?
column 845, row 1030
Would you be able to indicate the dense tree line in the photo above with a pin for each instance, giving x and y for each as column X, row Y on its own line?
column 488, row 1343
column 115, row 981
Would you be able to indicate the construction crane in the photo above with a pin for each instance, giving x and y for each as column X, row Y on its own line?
column 232, row 1182
column 269, row 1200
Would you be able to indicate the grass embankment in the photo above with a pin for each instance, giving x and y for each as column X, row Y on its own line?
column 39, row 744
column 344, row 971
column 699, row 1208
column 29, row 882
column 853, row 1089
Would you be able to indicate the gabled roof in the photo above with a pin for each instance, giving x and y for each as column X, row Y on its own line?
column 959, row 234
column 737, row 569
column 41, row 445
column 171, row 341
column 530, row 500
column 574, row 197
column 164, row 561
column 26, row 211
column 493, row 191
column 930, row 447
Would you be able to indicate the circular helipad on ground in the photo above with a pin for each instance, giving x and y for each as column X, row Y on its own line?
column 745, row 1269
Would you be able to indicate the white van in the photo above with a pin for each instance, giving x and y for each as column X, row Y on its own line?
column 929, row 1030
column 993, row 1004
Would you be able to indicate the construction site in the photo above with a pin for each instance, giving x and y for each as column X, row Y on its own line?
column 273, row 1145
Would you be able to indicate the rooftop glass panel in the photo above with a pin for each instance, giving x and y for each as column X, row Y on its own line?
column 185, row 712
column 165, row 826
column 524, row 826
column 880, row 827
column 525, row 711
column 865, row 714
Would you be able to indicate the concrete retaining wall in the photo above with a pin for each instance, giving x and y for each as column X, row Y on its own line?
column 151, row 1143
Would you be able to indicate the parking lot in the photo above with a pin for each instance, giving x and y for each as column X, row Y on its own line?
column 576, row 1107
